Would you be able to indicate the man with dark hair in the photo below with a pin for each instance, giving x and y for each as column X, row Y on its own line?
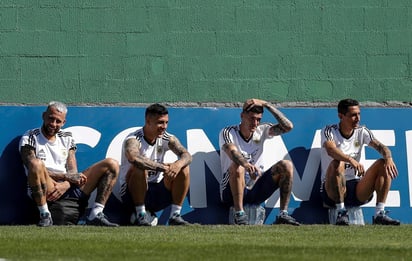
column 147, row 181
column 345, row 183
column 48, row 154
column 244, row 179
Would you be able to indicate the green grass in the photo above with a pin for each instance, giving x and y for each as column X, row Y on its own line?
column 217, row 242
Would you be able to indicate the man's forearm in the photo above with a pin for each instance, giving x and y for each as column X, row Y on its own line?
column 284, row 122
column 56, row 176
column 147, row 164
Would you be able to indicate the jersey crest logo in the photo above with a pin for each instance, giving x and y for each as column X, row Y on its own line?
column 159, row 150
column 41, row 155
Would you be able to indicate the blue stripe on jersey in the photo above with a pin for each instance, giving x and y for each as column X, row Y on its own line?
column 63, row 134
column 31, row 139
column 139, row 135
column 166, row 136
column 226, row 132
column 328, row 131
column 369, row 133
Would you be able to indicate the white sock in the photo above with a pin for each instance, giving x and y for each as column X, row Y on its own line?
column 43, row 209
column 340, row 206
column 96, row 209
column 175, row 209
column 283, row 212
column 380, row 206
column 140, row 209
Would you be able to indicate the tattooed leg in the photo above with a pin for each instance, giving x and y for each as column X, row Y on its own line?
column 335, row 183
column 39, row 194
column 105, row 186
column 282, row 173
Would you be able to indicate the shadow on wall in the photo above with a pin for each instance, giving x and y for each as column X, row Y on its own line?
column 216, row 212
column 312, row 210
column 15, row 205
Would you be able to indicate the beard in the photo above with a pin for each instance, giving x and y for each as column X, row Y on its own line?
column 48, row 131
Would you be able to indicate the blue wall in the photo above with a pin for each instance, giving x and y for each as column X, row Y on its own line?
column 102, row 129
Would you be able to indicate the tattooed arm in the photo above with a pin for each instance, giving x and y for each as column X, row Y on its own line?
column 28, row 154
column 390, row 166
column 29, row 157
column 284, row 124
column 71, row 162
column 72, row 175
column 131, row 147
column 382, row 149
column 234, row 154
column 184, row 158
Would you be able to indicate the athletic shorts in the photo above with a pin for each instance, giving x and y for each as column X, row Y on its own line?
column 262, row 190
column 158, row 197
column 350, row 200
column 74, row 192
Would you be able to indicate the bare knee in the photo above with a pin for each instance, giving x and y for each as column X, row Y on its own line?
column 236, row 171
column 112, row 165
column 381, row 166
column 185, row 172
column 134, row 173
column 36, row 167
column 336, row 167
column 284, row 167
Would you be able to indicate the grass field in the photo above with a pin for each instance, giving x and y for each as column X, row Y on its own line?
column 208, row 242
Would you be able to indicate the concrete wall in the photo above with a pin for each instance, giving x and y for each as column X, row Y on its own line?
column 104, row 51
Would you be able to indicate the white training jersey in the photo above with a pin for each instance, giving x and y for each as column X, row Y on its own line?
column 351, row 147
column 53, row 153
column 155, row 152
column 252, row 149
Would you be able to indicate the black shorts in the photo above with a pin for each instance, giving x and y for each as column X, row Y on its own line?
column 74, row 192
column 350, row 199
column 263, row 189
column 158, row 197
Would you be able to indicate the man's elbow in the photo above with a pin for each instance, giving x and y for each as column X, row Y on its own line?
column 188, row 158
column 288, row 127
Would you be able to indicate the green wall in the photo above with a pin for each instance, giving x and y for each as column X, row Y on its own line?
column 105, row 51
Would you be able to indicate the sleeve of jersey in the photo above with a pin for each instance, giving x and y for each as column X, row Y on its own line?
column 326, row 134
column 225, row 136
column 265, row 129
column 367, row 136
column 27, row 139
column 73, row 145
column 23, row 141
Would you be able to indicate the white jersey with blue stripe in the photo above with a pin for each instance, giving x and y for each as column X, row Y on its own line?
column 251, row 149
column 351, row 147
column 53, row 153
column 155, row 152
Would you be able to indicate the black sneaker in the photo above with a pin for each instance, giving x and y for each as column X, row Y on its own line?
column 100, row 220
column 241, row 218
column 284, row 218
column 343, row 218
column 383, row 219
column 177, row 220
column 45, row 220
column 142, row 220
